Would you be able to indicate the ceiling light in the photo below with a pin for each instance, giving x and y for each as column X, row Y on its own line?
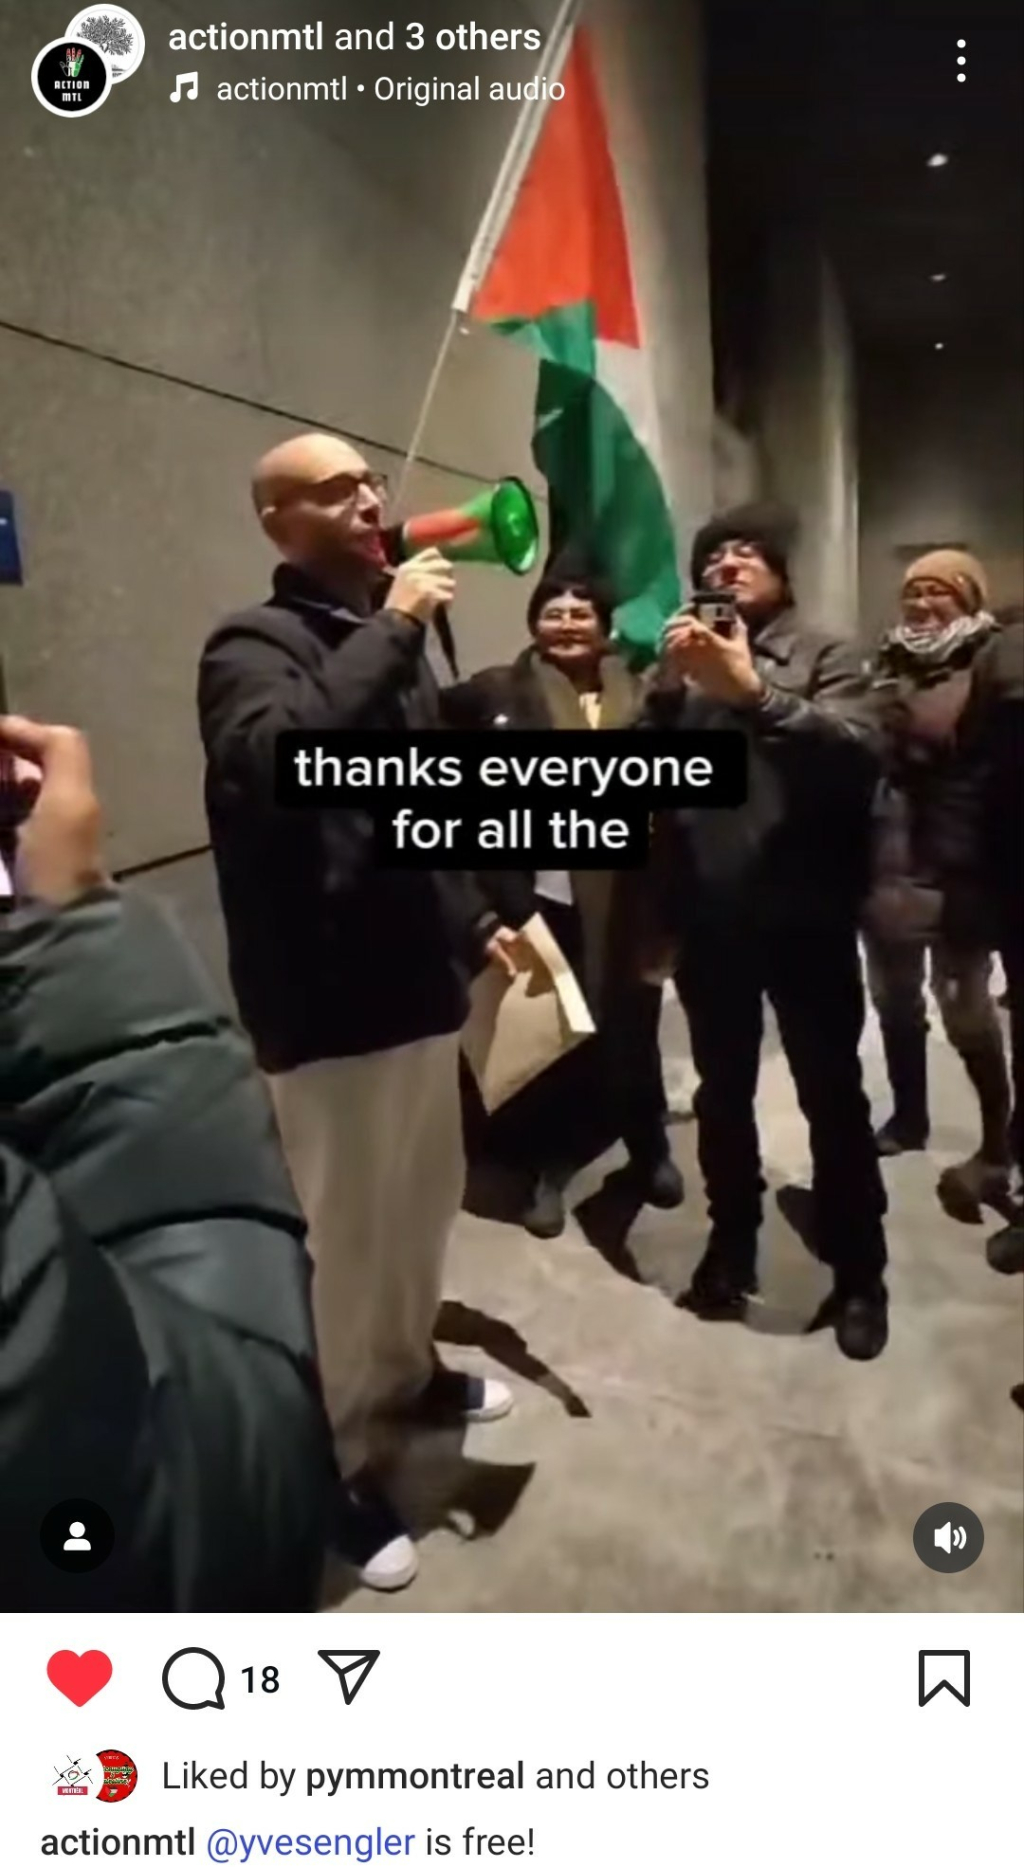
column 961, row 60
column 939, row 278
column 938, row 161
column 940, row 346
column 961, row 77
column 961, row 43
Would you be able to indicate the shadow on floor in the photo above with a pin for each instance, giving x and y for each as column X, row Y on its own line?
column 606, row 1219
column 463, row 1327
column 796, row 1204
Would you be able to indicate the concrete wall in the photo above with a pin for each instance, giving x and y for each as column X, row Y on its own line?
column 943, row 463
column 737, row 471
column 183, row 285
column 808, row 427
column 652, row 65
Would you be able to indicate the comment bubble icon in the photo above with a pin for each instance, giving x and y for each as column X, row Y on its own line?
column 193, row 1679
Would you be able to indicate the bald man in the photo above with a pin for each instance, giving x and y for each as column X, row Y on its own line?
column 351, row 979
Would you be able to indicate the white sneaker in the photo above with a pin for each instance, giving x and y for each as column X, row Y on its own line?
column 369, row 1535
column 454, row 1398
column 496, row 1403
column 392, row 1568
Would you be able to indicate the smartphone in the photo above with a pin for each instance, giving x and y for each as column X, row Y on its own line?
column 715, row 608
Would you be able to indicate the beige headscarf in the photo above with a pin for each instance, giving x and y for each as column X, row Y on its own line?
column 958, row 570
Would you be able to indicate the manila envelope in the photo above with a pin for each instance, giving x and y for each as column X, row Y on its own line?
column 517, row 1028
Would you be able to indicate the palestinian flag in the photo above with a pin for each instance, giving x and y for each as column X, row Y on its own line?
column 558, row 277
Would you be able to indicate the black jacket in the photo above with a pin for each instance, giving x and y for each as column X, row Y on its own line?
column 156, row 1342
column 330, row 955
column 531, row 695
column 797, row 854
column 941, row 787
column 997, row 704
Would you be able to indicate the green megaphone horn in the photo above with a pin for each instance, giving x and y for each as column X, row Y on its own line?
column 499, row 526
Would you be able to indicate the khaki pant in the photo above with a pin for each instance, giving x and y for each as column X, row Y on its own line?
column 374, row 1145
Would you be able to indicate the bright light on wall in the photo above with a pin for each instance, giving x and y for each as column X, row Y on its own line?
column 938, row 161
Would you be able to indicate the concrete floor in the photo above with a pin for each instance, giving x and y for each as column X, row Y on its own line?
column 657, row 1463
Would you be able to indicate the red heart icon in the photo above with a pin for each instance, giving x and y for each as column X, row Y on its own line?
column 79, row 1675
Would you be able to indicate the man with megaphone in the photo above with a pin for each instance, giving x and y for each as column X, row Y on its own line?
column 350, row 978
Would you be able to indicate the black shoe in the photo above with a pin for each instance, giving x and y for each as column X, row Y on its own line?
column 895, row 1137
column 861, row 1322
column 368, row 1533
column 965, row 1190
column 1005, row 1249
column 721, row 1284
column 544, row 1214
column 657, row 1182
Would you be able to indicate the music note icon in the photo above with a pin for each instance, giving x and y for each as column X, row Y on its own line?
column 191, row 80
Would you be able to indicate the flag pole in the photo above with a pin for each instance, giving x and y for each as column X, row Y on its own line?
column 412, row 453
column 514, row 163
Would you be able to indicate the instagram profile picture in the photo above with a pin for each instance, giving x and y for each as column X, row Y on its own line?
column 116, row 33
column 71, row 78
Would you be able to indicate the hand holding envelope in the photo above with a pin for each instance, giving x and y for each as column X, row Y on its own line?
column 518, row 1027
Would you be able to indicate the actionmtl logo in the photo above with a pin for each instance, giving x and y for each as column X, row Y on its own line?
column 116, row 33
column 71, row 79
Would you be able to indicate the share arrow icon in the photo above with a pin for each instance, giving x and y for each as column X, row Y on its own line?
column 353, row 1669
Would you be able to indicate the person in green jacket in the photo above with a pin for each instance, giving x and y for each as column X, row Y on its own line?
column 156, row 1342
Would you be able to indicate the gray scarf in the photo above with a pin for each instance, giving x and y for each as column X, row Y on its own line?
column 935, row 648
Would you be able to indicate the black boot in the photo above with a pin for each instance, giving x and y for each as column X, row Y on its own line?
column 544, row 1212
column 1005, row 1249
column 906, row 1060
column 725, row 1277
column 652, row 1173
column 860, row 1319
column 984, row 1180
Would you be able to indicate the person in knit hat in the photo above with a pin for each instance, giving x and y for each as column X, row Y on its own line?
column 932, row 907
column 765, row 902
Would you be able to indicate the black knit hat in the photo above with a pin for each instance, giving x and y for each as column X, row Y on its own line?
column 773, row 529
column 572, row 569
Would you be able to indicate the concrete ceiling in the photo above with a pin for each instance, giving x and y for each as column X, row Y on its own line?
column 830, row 114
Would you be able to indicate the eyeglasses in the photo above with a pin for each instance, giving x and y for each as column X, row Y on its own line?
column 580, row 612
column 733, row 548
column 342, row 489
column 345, row 487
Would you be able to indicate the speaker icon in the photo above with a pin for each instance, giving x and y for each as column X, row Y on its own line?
column 948, row 1537
column 951, row 1536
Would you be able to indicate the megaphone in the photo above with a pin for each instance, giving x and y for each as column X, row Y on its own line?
column 499, row 526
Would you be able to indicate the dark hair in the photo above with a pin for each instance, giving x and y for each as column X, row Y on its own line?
column 591, row 588
column 771, row 528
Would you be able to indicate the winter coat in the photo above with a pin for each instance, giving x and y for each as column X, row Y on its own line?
column 930, row 860
column 156, row 1342
column 530, row 694
column 796, row 856
column 331, row 954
